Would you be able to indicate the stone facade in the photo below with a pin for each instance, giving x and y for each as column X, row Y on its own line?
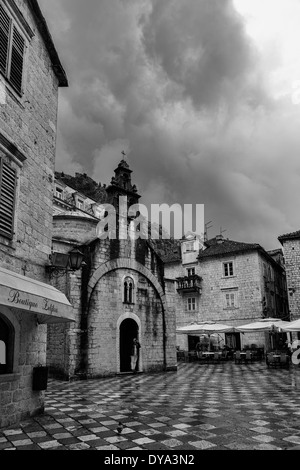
column 27, row 146
column 98, row 344
column 291, row 249
column 255, row 288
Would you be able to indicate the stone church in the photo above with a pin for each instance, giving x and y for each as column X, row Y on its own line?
column 119, row 293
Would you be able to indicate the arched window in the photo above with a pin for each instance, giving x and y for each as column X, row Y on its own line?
column 128, row 297
column 6, row 346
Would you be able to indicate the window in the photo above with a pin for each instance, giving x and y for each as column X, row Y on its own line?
column 228, row 269
column 8, row 178
column 59, row 193
column 191, row 304
column 189, row 246
column 190, row 271
column 12, row 51
column 128, row 286
column 230, row 299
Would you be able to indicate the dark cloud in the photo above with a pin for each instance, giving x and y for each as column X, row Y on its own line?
column 201, row 46
column 178, row 85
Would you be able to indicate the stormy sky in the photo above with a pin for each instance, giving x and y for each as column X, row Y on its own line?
column 203, row 95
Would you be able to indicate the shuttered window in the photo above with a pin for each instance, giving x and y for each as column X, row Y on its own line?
column 8, row 179
column 12, row 50
column 4, row 39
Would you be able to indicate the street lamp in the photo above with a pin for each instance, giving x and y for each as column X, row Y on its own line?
column 61, row 263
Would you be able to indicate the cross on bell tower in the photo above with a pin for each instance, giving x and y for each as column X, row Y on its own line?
column 121, row 184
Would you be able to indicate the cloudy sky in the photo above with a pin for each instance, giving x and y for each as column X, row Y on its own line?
column 203, row 95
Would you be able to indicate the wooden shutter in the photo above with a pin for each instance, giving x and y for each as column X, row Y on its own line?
column 17, row 57
column 8, row 179
column 4, row 39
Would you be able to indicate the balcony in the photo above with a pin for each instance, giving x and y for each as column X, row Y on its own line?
column 189, row 284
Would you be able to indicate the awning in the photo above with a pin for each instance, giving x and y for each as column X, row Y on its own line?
column 205, row 327
column 22, row 293
column 264, row 324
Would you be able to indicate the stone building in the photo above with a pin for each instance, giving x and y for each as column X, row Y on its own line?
column 30, row 75
column 291, row 249
column 226, row 282
column 119, row 293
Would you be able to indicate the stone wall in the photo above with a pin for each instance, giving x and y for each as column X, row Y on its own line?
column 292, row 263
column 248, row 283
column 74, row 228
column 104, row 313
column 17, row 399
column 91, row 345
column 29, row 122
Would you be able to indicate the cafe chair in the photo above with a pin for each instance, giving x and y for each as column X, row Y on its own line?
column 271, row 360
column 237, row 357
column 284, row 360
column 180, row 356
column 200, row 356
column 248, row 357
column 193, row 356
column 216, row 357
column 224, row 356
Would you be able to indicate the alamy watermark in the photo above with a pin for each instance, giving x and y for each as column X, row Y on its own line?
column 161, row 222
column 296, row 354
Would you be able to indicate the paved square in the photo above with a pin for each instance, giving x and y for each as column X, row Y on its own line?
column 224, row 406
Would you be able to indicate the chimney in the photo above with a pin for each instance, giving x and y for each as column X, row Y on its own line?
column 220, row 239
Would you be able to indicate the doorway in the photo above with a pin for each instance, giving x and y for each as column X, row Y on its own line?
column 128, row 331
column 233, row 340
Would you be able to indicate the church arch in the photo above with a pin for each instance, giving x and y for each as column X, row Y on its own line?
column 125, row 263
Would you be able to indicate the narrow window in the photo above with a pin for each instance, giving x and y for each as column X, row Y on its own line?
column 59, row 193
column 228, row 269
column 190, row 246
column 12, row 51
column 230, row 300
column 190, row 271
column 128, row 289
column 8, row 180
column 191, row 304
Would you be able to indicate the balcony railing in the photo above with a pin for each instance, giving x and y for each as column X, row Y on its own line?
column 189, row 284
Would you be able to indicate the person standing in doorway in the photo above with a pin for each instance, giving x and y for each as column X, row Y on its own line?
column 135, row 353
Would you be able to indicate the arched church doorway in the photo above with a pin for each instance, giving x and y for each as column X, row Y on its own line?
column 128, row 331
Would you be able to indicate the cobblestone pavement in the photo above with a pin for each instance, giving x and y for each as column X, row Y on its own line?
column 200, row 407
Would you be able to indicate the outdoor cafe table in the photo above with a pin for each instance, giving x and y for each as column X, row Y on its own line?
column 210, row 354
column 243, row 354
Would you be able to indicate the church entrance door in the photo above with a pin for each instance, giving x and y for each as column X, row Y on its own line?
column 128, row 331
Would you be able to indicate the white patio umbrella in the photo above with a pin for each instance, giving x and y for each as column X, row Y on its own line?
column 209, row 328
column 291, row 326
column 205, row 327
column 264, row 324
column 270, row 325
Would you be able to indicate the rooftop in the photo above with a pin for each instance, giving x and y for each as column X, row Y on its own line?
column 289, row 236
column 220, row 246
